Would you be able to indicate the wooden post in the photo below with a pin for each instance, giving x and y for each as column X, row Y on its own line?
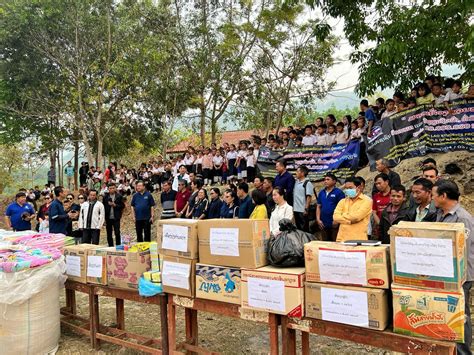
column 191, row 320
column 273, row 326
column 120, row 313
column 288, row 337
column 171, row 324
column 94, row 315
column 164, row 324
column 71, row 300
column 305, row 343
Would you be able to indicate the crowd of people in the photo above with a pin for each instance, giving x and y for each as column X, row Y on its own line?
column 223, row 182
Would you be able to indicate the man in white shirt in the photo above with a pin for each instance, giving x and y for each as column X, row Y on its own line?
column 91, row 219
column 183, row 175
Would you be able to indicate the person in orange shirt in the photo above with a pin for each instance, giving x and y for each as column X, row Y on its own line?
column 353, row 212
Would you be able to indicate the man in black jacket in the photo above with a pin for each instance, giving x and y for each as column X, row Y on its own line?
column 424, row 209
column 114, row 204
column 396, row 211
column 83, row 171
column 383, row 166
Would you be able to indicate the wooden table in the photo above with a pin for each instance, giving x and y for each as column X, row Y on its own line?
column 115, row 334
column 70, row 319
column 380, row 339
column 191, row 308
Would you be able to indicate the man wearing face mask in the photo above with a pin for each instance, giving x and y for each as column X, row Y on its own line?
column 353, row 212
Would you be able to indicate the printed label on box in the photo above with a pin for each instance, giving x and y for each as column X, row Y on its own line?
column 224, row 241
column 266, row 294
column 424, row 256
column 175, row 237
column 94, row 266
column 343, row 267
column 176, row 274
column 73, row 265
column 345, row 306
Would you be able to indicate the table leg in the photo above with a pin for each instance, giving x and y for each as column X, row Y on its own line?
column 305, row 343
column 191, row 320
column 94, row 315
column 171, row 325
column 288, row 337
column 71, row 301
column 164, row 324
column 120, row 313
column 273, row 324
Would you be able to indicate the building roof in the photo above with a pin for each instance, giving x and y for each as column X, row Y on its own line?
column 231, row 137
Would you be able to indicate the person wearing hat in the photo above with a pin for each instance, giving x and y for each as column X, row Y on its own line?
column 19, row 214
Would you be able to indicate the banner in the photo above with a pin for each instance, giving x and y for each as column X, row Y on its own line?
column 422, row 130
column 339, row 159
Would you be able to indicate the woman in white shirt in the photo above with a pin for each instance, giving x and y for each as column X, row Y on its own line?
column 282, row 210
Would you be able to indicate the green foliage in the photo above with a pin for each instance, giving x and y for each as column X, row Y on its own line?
column 409, row 41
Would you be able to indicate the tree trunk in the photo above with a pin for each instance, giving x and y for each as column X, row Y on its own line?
column 100, row 147
column 213, row 130
column 202, row 109
column 59, row 177
column 76, row 160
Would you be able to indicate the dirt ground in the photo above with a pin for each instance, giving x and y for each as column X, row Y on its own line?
column 231, row 336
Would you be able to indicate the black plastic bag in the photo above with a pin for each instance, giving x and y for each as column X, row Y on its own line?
column 287, row 248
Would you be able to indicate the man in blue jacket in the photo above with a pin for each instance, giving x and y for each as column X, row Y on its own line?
column 58, row 218
column 246, row 204
column 143, row 213
column 284, row 180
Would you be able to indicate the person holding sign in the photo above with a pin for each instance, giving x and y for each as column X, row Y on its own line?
column 446, row 199
column 353, row 212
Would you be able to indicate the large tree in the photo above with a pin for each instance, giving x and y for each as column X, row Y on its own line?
column 398, row 43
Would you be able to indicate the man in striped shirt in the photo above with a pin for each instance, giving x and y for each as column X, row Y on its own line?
column 167, row 198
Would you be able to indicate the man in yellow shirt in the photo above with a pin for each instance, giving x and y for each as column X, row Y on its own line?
column 353, row 212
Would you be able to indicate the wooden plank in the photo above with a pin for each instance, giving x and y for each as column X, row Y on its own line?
column 95, row 321
column 128, row 344
column 191, row 324
column 305, row 343
column 164, row 324
column 130, row 295
column 380, row 339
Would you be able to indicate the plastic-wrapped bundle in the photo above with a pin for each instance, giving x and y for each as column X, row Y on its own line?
column 29, row 309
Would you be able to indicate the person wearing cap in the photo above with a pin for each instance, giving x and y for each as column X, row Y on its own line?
column 19, row 214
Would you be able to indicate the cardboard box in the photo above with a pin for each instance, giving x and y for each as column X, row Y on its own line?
column 97, row 265
column 236, row 243
column 178, row 237
column 274, row 290
column 359, row 306
column 178, row 276
column 337, row 263
column 428, row 313
column 154, row 257
column 428, row 255
column 218, row 283
column 76, row 261
column 124, row 268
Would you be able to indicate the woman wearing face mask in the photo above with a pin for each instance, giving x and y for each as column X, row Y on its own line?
column 282, row 210
column 353, row 212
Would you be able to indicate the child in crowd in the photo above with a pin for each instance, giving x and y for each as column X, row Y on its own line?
column 341, row 134
column 251, row 164
column 309, row 138
column 425, row 96
column 331, row 136
column 411, row 103
column 321, row 137
column 218, row 161
column 356, row 132
column 437, row 92
column 231, row 160
column 390, row 109
column 44, row 225
column 207, row 166
column 454, row 94
column 241, row 162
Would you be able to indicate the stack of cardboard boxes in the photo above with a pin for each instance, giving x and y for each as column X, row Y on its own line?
column 178, row 248
column 347, row 284
column 88, row 263
column 428, row 266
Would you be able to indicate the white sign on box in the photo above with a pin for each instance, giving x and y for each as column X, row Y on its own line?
column 343, row 267
column 176, row 275
column 224, row 241
column 175, row 238
column 94, row 266
column 345, row 306
column 424, row 256
column 73, row 265
column 266, row 294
